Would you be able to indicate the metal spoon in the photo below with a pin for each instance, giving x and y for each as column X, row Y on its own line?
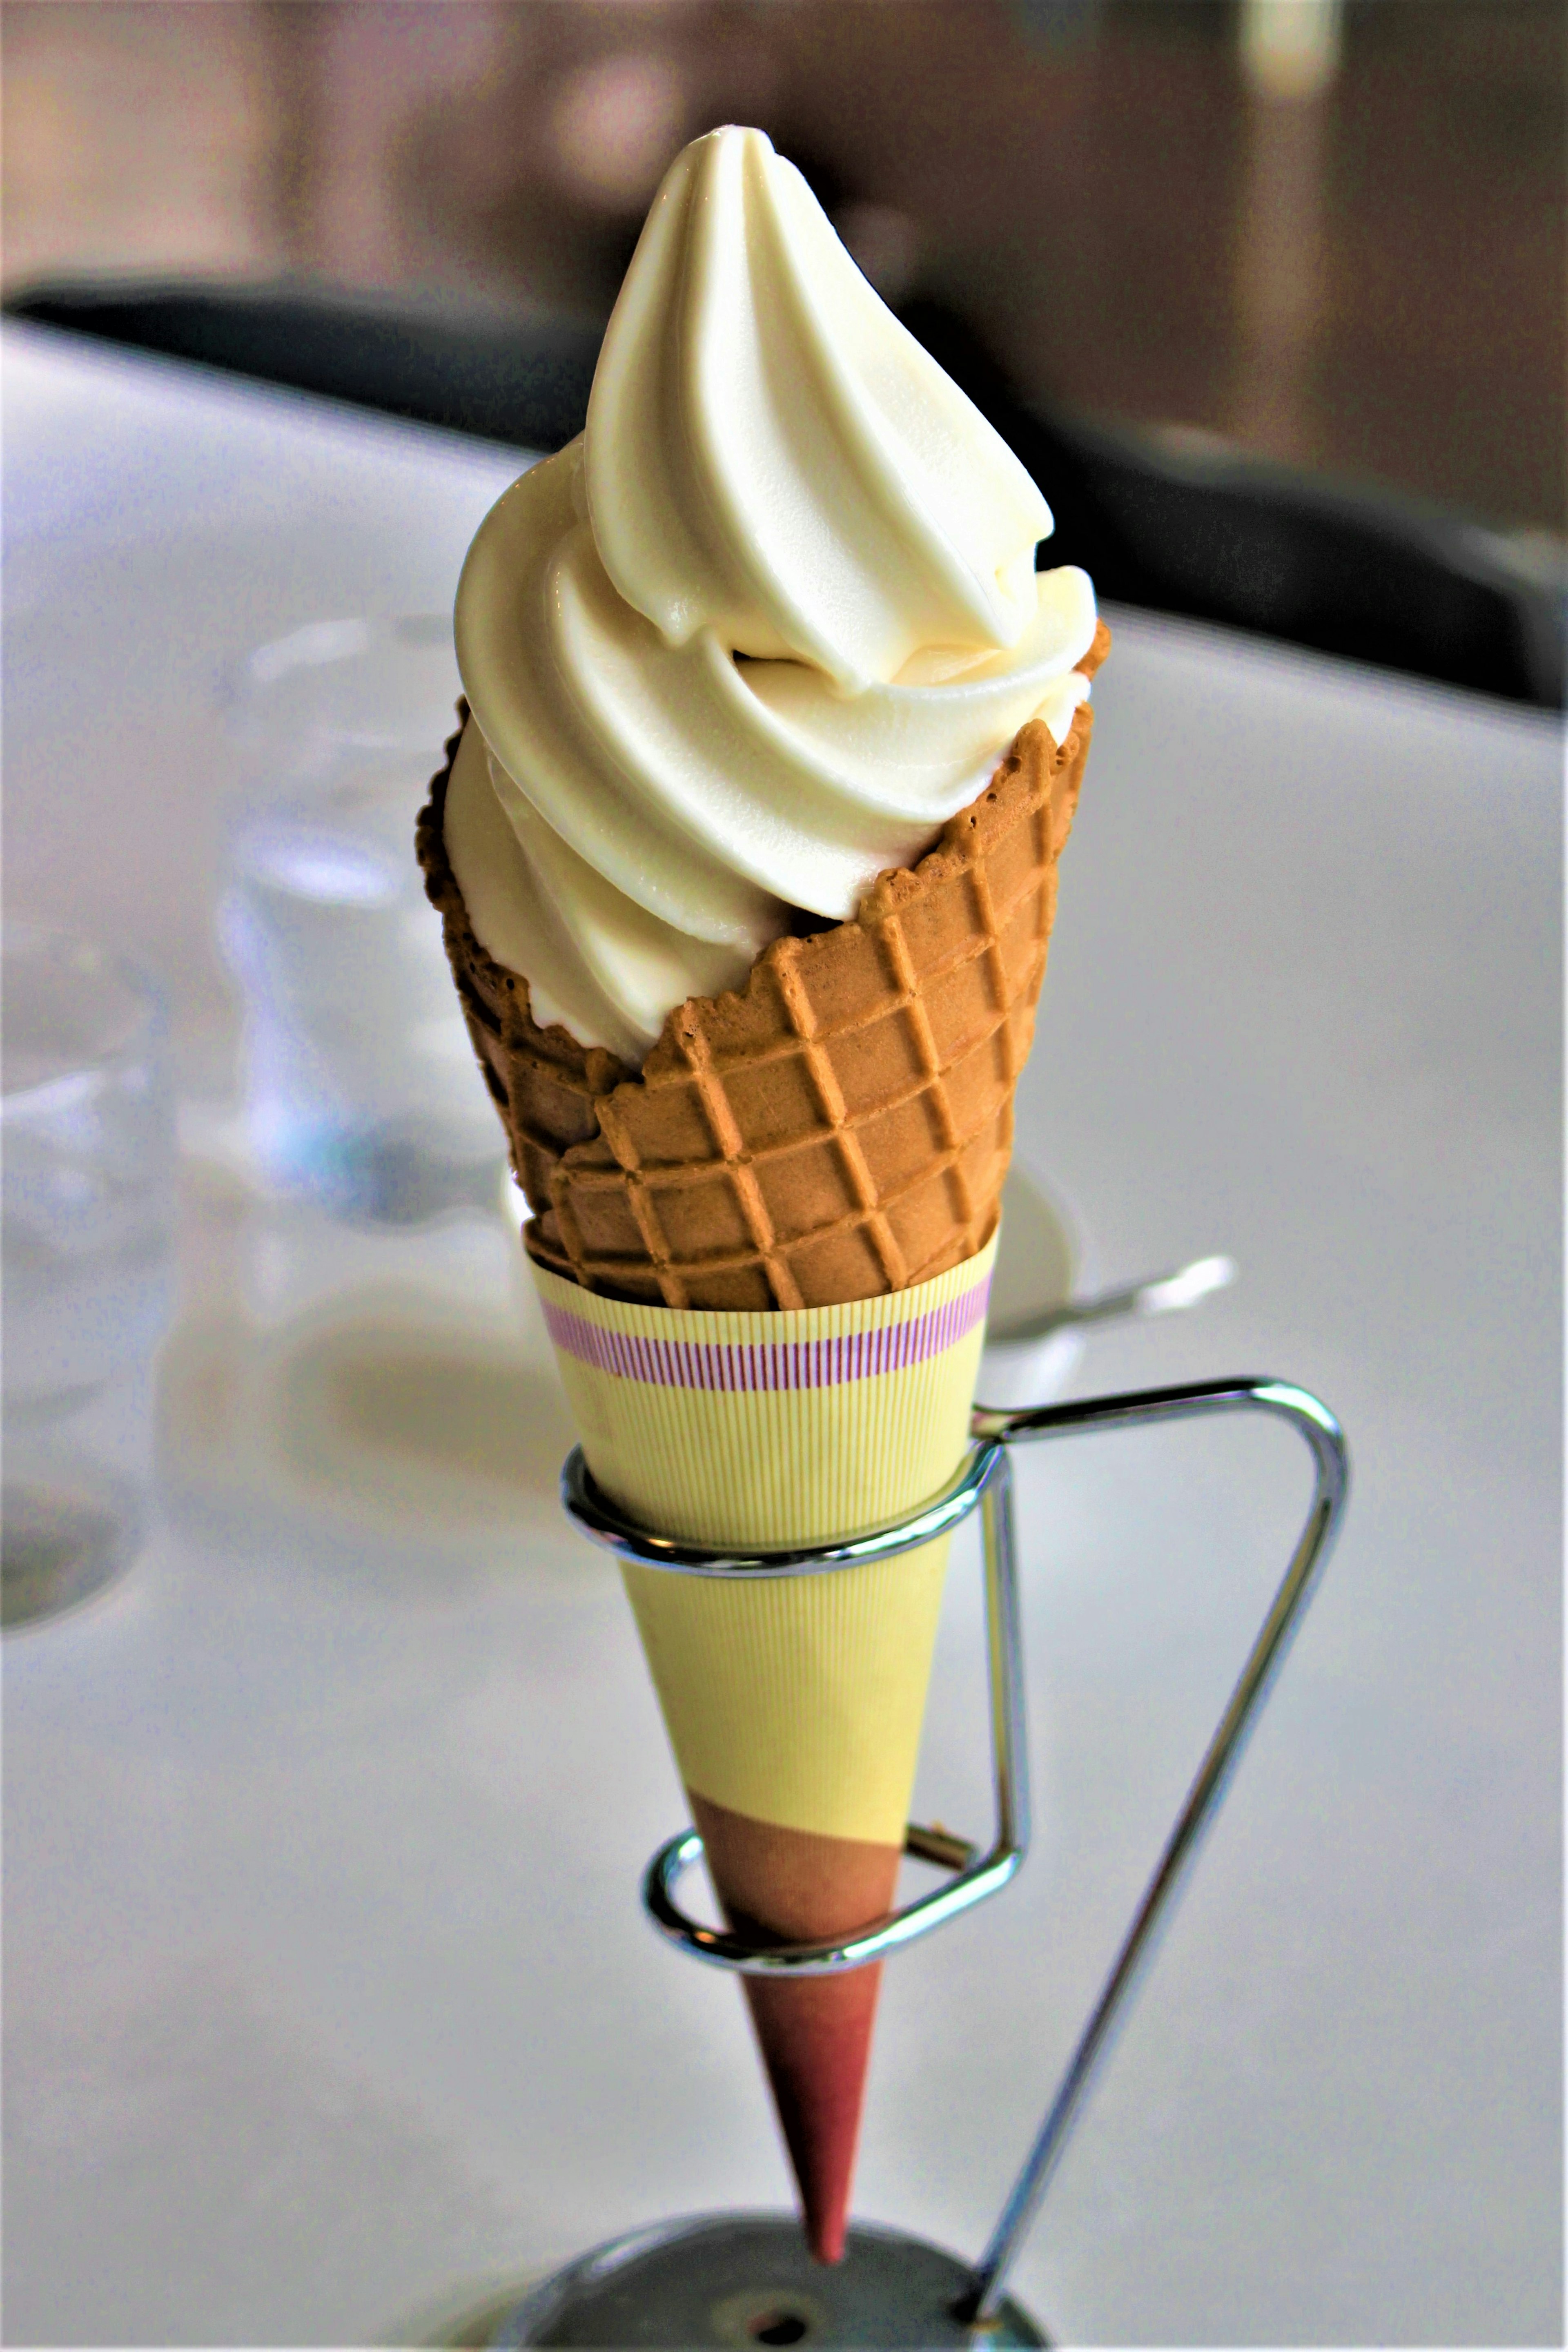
column 1160, row 1294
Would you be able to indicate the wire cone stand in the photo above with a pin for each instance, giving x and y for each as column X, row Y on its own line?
column 739, row 2279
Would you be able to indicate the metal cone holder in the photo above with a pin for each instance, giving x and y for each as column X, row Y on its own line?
column 739, row 2279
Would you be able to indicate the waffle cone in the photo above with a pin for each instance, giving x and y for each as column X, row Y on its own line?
column 837, row 1130
column 839, row 1127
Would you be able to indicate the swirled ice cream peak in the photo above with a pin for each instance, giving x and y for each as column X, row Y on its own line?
column 753, row 637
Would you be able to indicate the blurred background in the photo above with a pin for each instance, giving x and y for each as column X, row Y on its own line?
column 320, row 1999
column 1331, row 235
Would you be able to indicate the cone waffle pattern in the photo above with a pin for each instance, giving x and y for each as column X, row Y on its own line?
column 543, row 1082
column 842, row 1126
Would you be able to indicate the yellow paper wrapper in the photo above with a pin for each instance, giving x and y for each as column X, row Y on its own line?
column 793, row 1704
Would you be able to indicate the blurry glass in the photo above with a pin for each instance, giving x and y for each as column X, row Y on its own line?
column 360, row 1092
column 87, row 1128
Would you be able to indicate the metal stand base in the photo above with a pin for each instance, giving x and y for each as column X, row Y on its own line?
column 745, row 2280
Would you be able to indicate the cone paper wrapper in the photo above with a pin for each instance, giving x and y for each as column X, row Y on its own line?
column 793, row 1704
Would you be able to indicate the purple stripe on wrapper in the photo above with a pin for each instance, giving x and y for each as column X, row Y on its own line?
column 730, row 1365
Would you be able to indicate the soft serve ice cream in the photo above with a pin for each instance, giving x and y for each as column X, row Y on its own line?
column 755, row 634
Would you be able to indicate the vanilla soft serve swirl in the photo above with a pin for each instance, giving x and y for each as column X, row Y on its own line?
column 755, row 634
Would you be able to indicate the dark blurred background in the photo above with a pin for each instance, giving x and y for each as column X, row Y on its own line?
column 1330, row 234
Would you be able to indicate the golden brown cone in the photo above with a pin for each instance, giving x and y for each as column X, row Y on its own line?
column 839, row 1128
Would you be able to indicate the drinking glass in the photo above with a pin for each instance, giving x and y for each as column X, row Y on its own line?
column 87, row 1126
column 360, row 1092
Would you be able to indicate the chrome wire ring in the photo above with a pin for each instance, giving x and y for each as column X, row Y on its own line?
column 983, row 1480
column 608, row 1524
column 723, row 1949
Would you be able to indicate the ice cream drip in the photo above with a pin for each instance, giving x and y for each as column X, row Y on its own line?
column 756, row 635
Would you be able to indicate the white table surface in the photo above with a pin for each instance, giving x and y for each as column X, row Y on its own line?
column 327, row 1995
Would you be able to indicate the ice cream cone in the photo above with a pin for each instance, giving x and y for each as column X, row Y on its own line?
column 763, row 1263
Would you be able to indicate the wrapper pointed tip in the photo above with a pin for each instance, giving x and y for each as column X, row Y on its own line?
column 815, row 2038
column 814, row 2033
